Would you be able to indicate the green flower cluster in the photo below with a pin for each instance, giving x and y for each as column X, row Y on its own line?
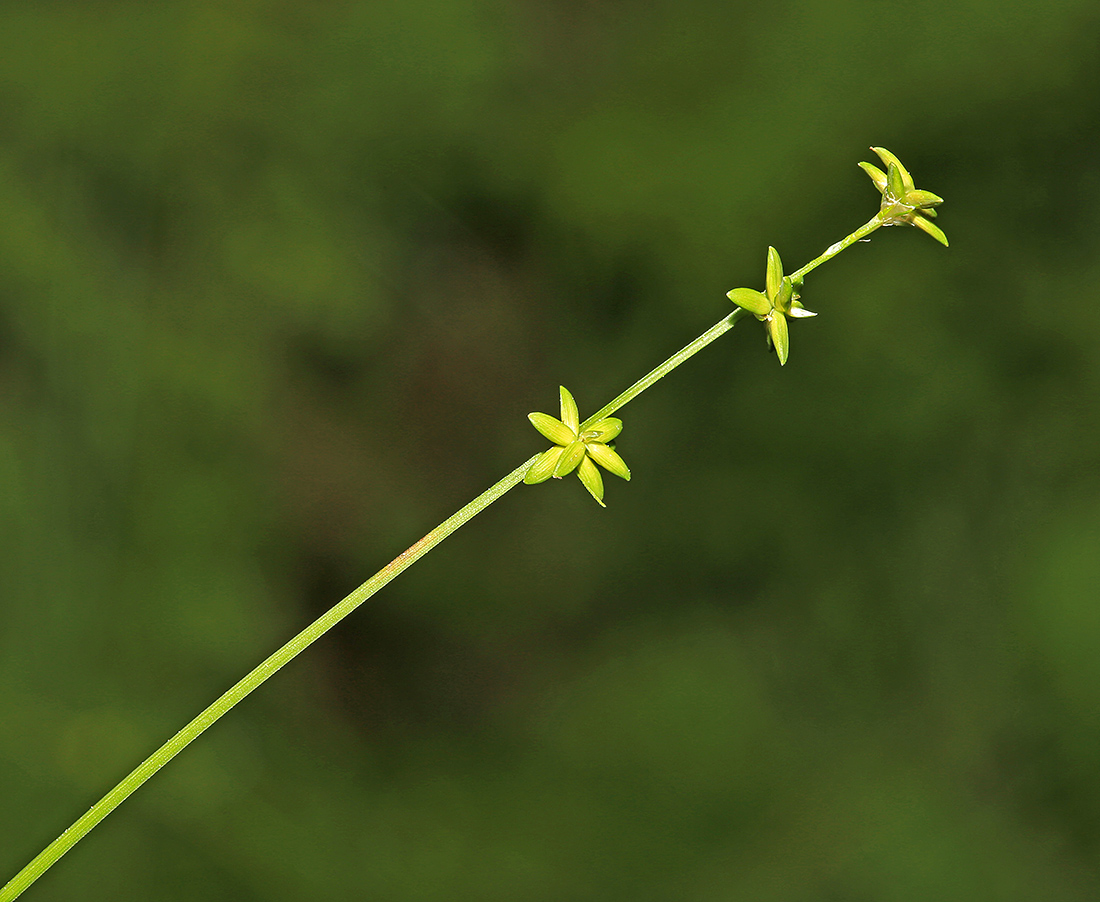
column 575, row 449
column 772, row 306
column 902, row 202
column 581, row 450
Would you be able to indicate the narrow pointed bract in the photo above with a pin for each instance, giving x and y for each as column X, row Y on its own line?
column 552, row 428
column 609, row 459
column 570, row 459
column 773, row 278
column 605, row 430
column 590, row 475
column 753, row 301
column 575, row 449
column 777, row 331
column 569, row 414
column 543, row 468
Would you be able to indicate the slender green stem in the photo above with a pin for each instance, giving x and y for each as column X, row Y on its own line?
column 719, row 328
column 315, row 630
column 334, row 615
column 319, row 627
column 833, row 249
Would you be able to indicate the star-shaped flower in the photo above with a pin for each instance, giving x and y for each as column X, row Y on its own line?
column 576, row 450
column 902, row 202
column 774, row 306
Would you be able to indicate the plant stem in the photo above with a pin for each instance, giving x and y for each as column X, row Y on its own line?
column 267, row 668
column 833, row 249
column 719, row 328
column 334, row 615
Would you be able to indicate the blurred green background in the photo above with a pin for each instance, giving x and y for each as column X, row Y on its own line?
column 279, row 283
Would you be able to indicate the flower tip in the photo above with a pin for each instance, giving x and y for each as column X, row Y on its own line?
column 777, row 332
column 569, row 415
column 876, row 174
column 774, row 277
column 592, row 480
column 926, row 225
column 887, row 158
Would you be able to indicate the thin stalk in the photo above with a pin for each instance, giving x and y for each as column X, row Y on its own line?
column 688, row 351
column 29, row 874
column 833, row 249
column 267, row 668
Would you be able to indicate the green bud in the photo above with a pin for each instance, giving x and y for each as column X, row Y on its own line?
column 750, row 300
column 877, row 175
column 608, row 459
column 543, row 468
column 570, row 459
column 895, row 184
column 926, row 225
column 569, row 414
column 777, row 331
column 553, row 428
column 605, row 430
column 774, row 279
column 922, row 199
column 592, row 480
column 783, row 297
column 888, row 160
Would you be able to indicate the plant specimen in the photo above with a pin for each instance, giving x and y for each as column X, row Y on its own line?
column 578, row 446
